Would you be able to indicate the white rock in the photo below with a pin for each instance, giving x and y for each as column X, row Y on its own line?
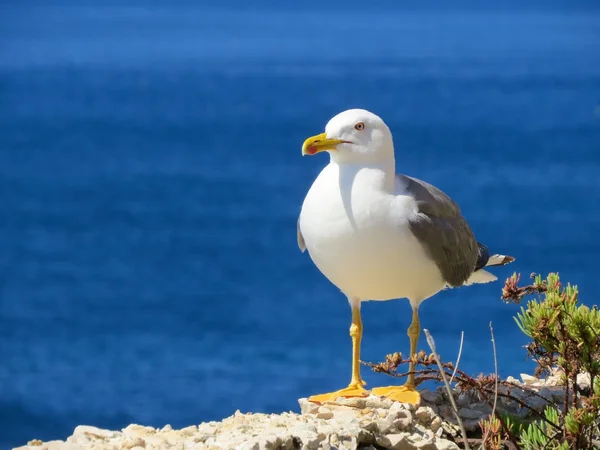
column 556, row 378
column 395, row 441
column 425, row 414
column 90, row 432
column 424, row 445
column 344, row 414
column 334, row 440
column 529, row 380
column 584, row 380
column 385, row 425
column 402, row 423
column 270, row 442
column 138, row 430
column 307, row 407
column 445, row 444
column 378, row 402
column 129, row 443
column 311, row 440
column 324, row 413
column 355, row 402
column 344, row 424
column 59, row 445
column 435, row 424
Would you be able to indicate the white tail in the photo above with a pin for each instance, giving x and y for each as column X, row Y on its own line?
column 481, row 276
column 499, row 260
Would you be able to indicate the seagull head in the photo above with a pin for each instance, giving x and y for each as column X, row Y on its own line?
column 354, row 136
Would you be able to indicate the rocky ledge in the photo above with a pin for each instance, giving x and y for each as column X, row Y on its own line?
column 367, row 423
column 358, row 423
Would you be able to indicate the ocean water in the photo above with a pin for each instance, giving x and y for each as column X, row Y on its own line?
column 151, row 178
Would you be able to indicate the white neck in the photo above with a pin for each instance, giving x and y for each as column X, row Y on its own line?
column 380, row 176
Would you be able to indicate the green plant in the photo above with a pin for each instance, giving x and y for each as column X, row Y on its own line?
column 492, row 433
column 539, row 435
column 565, row 343
column 566, row 339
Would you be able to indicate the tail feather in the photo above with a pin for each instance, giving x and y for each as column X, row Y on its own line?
column 485, row 260
column 481, row 276
column 499, row 260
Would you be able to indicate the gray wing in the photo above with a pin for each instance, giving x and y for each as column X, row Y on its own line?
column 301, row 243
column 442, row 230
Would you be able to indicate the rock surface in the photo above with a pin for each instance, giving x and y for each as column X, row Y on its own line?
column 359, row 423
column 346, row 424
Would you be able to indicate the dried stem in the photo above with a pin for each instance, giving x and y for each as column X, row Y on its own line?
column 431, row 343
column 462, row 340
column 487, row 431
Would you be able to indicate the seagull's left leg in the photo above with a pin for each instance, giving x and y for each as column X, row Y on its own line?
column 355, row 388
column 406, row 393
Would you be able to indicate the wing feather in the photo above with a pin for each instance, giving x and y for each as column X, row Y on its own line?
column 442, row 230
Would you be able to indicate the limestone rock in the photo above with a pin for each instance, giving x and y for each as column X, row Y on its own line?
column 445, row 444
column 529, row 379
column 584, row 381
column 344, row 424
column 89, row 432
column 425, row 414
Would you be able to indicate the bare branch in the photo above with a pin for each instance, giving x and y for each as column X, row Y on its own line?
column 431, row 343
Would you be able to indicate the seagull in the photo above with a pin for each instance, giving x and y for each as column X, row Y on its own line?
column 378, row 235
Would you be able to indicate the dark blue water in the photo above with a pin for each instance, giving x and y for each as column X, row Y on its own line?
column 151, row 178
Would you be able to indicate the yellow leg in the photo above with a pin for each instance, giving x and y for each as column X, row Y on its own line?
column 406, row 393
column 355, row 388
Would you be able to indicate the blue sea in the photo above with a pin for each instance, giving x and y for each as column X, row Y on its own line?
column 151, row 178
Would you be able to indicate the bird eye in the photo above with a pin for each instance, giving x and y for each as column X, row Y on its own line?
column 359, row 126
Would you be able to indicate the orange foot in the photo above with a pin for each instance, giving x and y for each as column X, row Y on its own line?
column 402, row 394
column 354, row 390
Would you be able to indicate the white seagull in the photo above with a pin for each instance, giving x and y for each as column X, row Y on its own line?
column 378, row 235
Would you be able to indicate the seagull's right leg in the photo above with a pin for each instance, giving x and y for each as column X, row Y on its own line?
column 406, row 393
column 355, row 388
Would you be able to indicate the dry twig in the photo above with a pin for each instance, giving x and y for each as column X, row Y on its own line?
column 431, row 343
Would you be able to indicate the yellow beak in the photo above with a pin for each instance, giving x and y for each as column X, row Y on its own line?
column 319, row 143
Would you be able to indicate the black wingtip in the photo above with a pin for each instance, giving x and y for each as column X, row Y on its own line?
column 484, row 256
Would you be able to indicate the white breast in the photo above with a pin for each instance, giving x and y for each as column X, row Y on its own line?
column 358, row 237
